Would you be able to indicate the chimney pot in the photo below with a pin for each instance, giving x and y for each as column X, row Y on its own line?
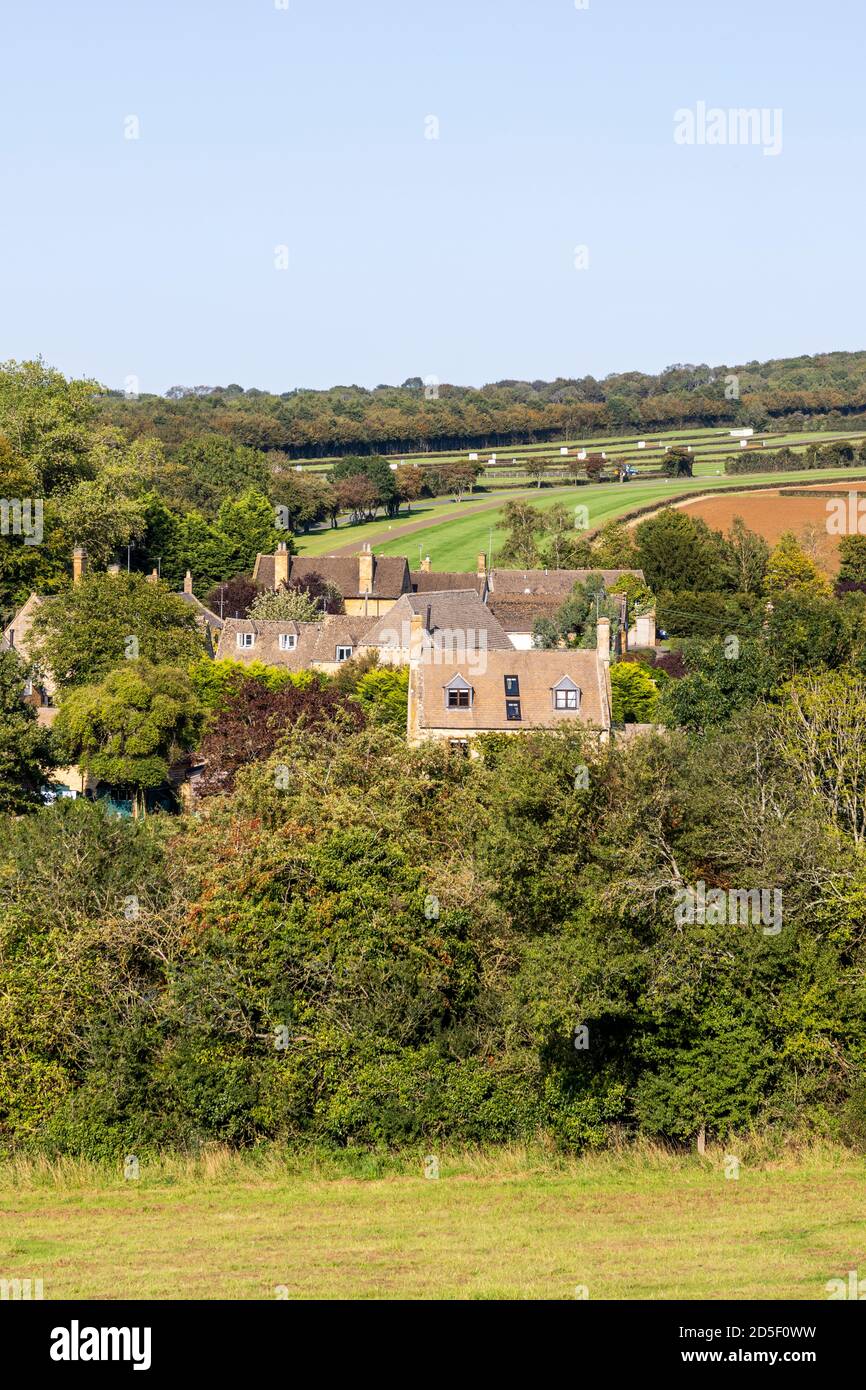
column 187, row 582
column 79, row 563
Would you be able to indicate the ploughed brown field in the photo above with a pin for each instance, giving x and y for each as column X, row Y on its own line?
column 773, row 512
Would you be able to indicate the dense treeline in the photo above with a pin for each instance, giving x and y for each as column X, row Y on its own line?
column 838, row 454
column 370, row 944
column 821, row 392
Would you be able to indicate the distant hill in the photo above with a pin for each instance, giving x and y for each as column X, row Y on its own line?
column 817, row 392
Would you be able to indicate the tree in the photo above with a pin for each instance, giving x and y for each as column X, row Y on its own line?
column 639, row 596
column 634, row 693
column 594, row 467
column 285, row 605
column 248, row 526
column 216, row 469
column 676, row 551
column 25, row 750
column 677, row 462
column 80, row 634
column 721, row 678
column 100, row 519
column 750, row 553
column 522, row 524
column 789, row 567
column 251, row 722
column 456, row 477
column 852, row 559
column 383, row 695
column 46, row 420
column 410, row 484
column 358, row 496
column 614, row 547
column 378, row 474
column 127, row 730
column 308, row 498
column 536, row 468
column 821, row 732
column 563, row 547
column 233, row 599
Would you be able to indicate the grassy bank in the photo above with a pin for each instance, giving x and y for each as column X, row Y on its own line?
column 497, row 1224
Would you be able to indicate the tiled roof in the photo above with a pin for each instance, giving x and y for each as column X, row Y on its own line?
column 317, row 642
column 436, row 581
column 521, row 613
column 212, row 619
column 390, row 573
column 457, row 611
column 554, row 582
column 537, row 673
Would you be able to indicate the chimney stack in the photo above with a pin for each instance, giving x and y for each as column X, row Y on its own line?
column 153, row 577
column 602, row 638
column 416, row 637
column 425, row 564
column 481, row 566
column 365, row 570
column 281, row 565
column 187, row 582
column 79, row 563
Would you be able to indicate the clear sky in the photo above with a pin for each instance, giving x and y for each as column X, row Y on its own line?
column 306, row 127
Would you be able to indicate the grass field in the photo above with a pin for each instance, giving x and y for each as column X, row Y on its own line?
column 453, row 534
column 500, row 1225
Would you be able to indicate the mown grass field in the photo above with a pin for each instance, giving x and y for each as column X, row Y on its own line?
column 497, row 1225
column 454, row 534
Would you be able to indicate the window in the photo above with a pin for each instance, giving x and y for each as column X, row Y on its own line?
column 246, row 639
column 288, row 641
column 459, row 745
column 512, row 686
column 512, row 709
column 566, row 695
column 458, row 693
column 344, row 653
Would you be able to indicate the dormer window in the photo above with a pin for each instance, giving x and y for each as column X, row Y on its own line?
column 344, row 653
column 246, row 639
column 458, row 693
column 288, row 641
column 566, row 695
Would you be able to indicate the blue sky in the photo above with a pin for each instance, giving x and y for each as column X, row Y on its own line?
column 304, row 127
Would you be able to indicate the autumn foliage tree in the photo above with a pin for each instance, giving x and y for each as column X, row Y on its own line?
column 252, row 721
